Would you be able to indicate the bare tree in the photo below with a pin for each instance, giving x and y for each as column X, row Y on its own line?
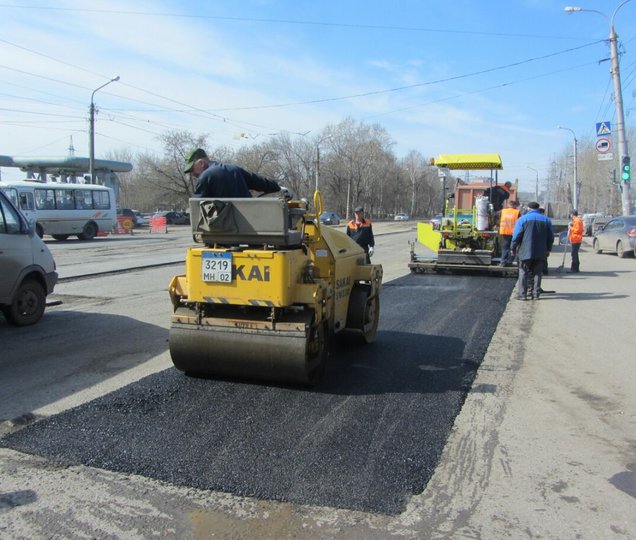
column 358, row 165
column 126, row 180
column 424, row 185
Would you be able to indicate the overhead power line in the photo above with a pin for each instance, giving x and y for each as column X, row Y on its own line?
column 358, row 26
column 416, row 85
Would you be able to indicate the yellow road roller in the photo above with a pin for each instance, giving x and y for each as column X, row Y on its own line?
column 266, row 291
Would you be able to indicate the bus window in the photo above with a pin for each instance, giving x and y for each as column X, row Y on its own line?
column 83, row 199
column 64, row 199
column 101, row 200
column 26, row 201
column 44, row 199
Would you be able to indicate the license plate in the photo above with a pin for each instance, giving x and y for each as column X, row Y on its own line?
column 216, row 267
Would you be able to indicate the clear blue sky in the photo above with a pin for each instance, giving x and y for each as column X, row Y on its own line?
column 441, row 77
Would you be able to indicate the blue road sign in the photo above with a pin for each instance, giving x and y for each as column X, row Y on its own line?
column 603, row 128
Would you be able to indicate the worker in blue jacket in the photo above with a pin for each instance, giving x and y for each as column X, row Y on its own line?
column 216, row 179
column 532, row 242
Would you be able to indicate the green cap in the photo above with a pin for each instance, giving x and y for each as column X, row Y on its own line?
column 191, row 157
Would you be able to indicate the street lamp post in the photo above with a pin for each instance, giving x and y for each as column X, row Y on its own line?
column 618, row 100
column 575, row 180
column 317, row 159
column 91, row 148
column 317, row 167
column 536, row 187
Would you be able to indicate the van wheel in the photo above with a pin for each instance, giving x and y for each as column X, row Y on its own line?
column 60, row 236
column 89, row 232
column 28, row 305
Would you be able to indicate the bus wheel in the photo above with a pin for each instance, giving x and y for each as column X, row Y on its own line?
column 89, row 232
column 39, row 230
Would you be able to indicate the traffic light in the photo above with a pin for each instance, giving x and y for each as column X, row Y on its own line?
column 626, row 170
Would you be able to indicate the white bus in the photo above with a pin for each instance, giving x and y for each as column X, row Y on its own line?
column 62, row 210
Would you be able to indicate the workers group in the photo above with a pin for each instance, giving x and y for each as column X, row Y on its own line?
column 529, row 237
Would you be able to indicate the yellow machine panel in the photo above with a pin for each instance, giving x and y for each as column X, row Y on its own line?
column 258, row 277
column 428, row 236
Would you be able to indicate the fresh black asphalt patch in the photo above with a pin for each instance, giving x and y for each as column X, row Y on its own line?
column 368, row 437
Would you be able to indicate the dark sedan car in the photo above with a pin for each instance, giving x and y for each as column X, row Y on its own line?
column 617, row 236
column 175, row 218
column 329, row 218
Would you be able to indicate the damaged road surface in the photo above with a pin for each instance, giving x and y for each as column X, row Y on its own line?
column 366, row 438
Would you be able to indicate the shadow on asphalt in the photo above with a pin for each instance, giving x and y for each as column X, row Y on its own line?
column 68, row 351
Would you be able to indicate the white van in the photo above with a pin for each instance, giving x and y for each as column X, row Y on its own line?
column 27, row 267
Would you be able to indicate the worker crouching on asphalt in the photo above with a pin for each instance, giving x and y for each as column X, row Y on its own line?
column 509, row 217
column 532, row 241
column 361, row 230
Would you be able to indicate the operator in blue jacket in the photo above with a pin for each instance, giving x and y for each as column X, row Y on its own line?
column 532, row 241
column 224, row 180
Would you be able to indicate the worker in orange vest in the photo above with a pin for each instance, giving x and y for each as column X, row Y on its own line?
column 361, row 230
column 509, row 217
column 575, row 235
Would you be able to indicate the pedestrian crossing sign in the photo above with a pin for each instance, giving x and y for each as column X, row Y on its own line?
column 603, row 128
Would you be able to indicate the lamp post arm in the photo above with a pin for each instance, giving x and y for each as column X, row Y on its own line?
column 616, row 11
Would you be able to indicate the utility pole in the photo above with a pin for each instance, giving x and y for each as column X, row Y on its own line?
column 91, row 134
column 623, row 151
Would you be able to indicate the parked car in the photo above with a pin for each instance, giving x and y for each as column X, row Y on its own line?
column 142, row 220
column 129, row 213
column 588, row 219
column 436, row 221
column 28, row 269
column 329, row 218
column 618, row 236
column 175, row 218
column 599, row 222
column 401, row 217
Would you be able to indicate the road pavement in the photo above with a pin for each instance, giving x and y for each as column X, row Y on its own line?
column 544, row 446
